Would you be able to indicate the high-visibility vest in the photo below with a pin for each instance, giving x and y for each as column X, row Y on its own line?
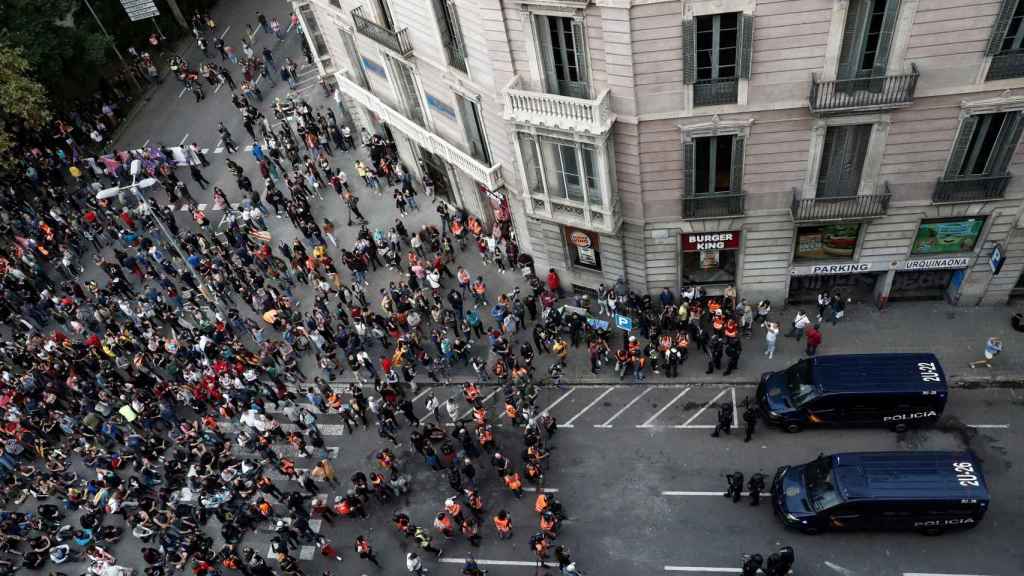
column 503, row 526
column 513, row 481
column 363, row 547
column 454, row 509
column 510, row 410
column 471, row 392
column 541, row 503
column 546, row 525
column 443, row 524
column 480, row 415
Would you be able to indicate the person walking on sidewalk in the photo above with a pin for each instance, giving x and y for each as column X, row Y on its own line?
column 824, row 303
column 197, row 175
column 992, row 349
column 800, row 323
column 838, row 308
column 813, row 339
column 365, row 551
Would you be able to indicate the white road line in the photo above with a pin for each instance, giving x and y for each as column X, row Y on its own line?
column 225, row 32
column 692, row 493
column 556, row 402
column 305, row 553
column 998, row 426
column 146, row 143
column 218, row 149
column 839, row 569
column 289, row 28
column 484, row 401
column 205, row 150
column 201, row 207
column 706, row 569
column 587, row 407
column 607, row 424
column 489, row 562
column 183, row 138
column 182, row 93
column 701, row 411
column 217, row 89
column 937, row 574
column 648, row 424
column 421, row 394
column 534, row 489
column 735, row 410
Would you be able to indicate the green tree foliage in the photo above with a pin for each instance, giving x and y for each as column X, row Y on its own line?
column 23, row 102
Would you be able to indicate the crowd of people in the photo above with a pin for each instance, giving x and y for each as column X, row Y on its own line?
column 146, row 401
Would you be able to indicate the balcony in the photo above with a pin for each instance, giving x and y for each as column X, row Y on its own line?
column 840, row 207
column 489, row 176
column 456, row 55
column 558, row 112
column 970, row 189
column 713, row 205
column 863, row 94
column 395, row 41
column 1008, row 64
column 715, row 92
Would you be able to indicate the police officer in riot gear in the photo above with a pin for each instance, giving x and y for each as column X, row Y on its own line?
column 750, row 420
column 735, row 490
column 752, row 564
column 724, row 420
column 756, row 485
column 781, row 562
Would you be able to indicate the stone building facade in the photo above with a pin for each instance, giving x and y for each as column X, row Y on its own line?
column 783, row 146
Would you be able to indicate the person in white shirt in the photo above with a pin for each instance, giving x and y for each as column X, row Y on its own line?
column 800, row 322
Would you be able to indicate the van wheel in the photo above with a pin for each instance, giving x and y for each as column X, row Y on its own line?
column 932, row 531
column 900, row 428
column 792, row 428
column 810, row 530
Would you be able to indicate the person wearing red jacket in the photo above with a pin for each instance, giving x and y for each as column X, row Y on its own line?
column 813, row 339
column 555, row 283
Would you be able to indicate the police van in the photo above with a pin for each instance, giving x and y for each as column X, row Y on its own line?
column 893, row 390
column 929, row 492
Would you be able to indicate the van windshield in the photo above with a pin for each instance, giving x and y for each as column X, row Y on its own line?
column 799, row 384
column 819, row 479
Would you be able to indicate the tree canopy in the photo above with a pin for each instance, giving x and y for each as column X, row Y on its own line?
column 23, row 101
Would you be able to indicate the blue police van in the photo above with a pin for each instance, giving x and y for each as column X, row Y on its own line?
column 892, row 390
column 929, row 492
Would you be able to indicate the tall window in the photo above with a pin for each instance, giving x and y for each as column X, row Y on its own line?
column 451, row 33
column 713, row 164
column 409, row 92
column 867, row 38
column 563, row 55
column 314, row 31
column 842, row 160
column 717, row 39
column 984, row 145
column 384, row 12
column 1006, row 44
column 472, row 123
column 717, row 54
column 355, row 61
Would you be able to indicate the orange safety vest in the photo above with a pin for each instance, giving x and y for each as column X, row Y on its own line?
column 486, row 437
column 479, row 415
column 265, row 508
column 471, row 392
column 547, row 525
column 510, row 410
column 513, row 481
column 454, row 509
column 343, row 508
column 541, row 504
column 443, row 524
column 503, row 526
column 363, row 547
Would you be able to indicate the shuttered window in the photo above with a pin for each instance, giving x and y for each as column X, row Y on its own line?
column 451, row 33
column 1006, row 45
column 717, row 53
column 713, row 165
column 563, row 55
column 842, row 160
column 867, row 38
column 985, row 145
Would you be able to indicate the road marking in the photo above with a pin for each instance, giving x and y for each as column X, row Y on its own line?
column 556, row 402
column 587, row 407
column 708, row 569
column 182, row 93
column 998, row 426
column 489, row 562
column 421, row 394
column 217, row 89
column 225, row 32
column 648, row 424
column 248, row 148
column 305, row 553
column 290, row 25
column 183, row 138
column 218, row 149
column 735, row 410
column 691, row 493
column 534, row 489
column 201, row 207
column 205, row 150
column 840, row 569
column 624, row 408
column 701, row 411
column 146, row 143
column 938, row 574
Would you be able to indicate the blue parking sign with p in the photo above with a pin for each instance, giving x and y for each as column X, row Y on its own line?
column 623, row 322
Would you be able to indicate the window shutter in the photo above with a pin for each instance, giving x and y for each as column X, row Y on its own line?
column 847, row 64
column 963, row 139
column 1008, row 140
column 892, row 14
column 459, row 38
column 746, row 44
column 689, row 159
column 580, row 43
column 995, row 42
column 547, row 53
column 736, row 185
column 442, row 21
column 689, row 52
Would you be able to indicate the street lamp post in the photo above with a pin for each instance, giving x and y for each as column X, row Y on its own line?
column 134, row 187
